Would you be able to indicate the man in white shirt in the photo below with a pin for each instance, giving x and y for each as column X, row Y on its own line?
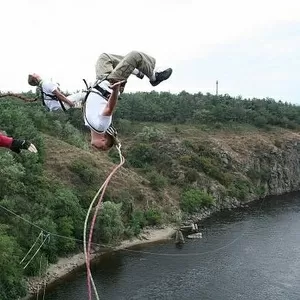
column 51, row 95
column 116, row 68
column 112, row 72
column 98, row 110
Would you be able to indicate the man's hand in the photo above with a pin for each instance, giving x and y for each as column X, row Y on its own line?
column 116, row 86
column 18, row 145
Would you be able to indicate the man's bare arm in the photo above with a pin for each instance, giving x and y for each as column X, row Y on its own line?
column 63, row 98
column 112, row 101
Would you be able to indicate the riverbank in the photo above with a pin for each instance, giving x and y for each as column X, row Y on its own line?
column 66, row 265
column 258, row 246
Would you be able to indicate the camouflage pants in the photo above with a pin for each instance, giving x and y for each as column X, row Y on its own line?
column 117, row 67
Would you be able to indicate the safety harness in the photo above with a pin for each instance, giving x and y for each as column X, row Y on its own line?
column 53, row 97
column 95, row 88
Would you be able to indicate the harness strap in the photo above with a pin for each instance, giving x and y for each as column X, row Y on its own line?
column 85, row 83
column 53, row 97
column 103, row 92
column 84, row 111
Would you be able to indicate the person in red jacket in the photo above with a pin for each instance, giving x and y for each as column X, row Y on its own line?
column 16, row 145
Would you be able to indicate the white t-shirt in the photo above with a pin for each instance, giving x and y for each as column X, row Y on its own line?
column 49, row 87
column 93, row 117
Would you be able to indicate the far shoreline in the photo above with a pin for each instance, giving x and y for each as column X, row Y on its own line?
column 67, row 265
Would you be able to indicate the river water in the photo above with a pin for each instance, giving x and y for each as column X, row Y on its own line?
column 250, row 253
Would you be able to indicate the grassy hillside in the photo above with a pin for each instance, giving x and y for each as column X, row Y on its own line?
column 177, row 165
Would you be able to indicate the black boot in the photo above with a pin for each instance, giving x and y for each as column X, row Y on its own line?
column 161, row 76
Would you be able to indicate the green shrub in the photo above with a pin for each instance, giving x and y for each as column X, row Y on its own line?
column 11, row 174
column 239, row 189
column 126, row 200
column 109, row 227
column 124, row 126
column 11, row 282
column 191, row 175
column 137, row 221
column 75, row 118
column 73, row 136
column 114, row 156
column 260, row 121
column 260, row 190
column 193, row 200
column 218, row 125
column 153, row 217
column 84, row 170
column 188, row 144
column 212, row 167
column 157, row 181
column 141, row 155
column 151, row 134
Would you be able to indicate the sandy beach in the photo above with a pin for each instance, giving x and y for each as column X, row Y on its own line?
column 66, row 265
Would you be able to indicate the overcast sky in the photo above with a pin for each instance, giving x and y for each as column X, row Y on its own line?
column 251, row 47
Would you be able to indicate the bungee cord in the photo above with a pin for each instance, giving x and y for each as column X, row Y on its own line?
column 87, row 247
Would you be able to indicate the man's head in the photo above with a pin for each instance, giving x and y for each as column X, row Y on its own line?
column 34, row 79
column 101, row 141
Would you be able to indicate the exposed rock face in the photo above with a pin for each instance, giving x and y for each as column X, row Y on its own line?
column 260, row 164
column 284, row 165
column 277, row 168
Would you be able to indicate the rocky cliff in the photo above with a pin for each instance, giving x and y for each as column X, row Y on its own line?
column 242, row 167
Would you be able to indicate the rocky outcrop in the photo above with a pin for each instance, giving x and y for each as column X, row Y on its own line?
column 256, row 164
column 274, row 168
